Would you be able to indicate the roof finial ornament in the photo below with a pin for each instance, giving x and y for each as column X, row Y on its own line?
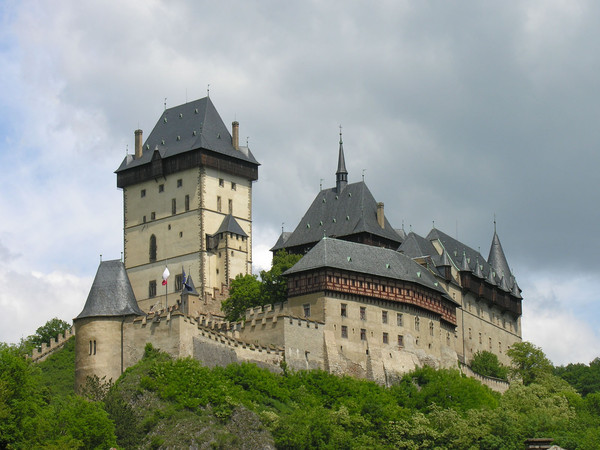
column 363, row 175
column 100, row 257
column 127, row 150
column 165, row 104
column 433, row 224
column 247, row 139
column 494, row 222
column 208, row 90
column 341, row 175
column 282, row 224
column 402, row 225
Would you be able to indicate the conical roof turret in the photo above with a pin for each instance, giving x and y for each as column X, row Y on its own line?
column 497, row 259
column 464, row 266
column 478, row 272
column 111, row 293
column 341, row 175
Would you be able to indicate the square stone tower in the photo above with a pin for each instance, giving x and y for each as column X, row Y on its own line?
column 187, row 204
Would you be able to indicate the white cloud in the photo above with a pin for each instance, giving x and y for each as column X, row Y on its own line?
column 561, row 315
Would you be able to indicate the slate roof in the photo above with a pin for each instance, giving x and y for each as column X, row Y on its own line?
column 230, row 225
column 457, row 251
column 191, row 126
column 111, row 293
column 497, row 259
column 283, row 237
column 190, row 288
column 333, row 214
column 366, row 259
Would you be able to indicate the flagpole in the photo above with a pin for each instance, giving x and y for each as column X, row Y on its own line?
column 166, row 290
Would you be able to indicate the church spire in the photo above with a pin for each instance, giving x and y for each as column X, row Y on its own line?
column 341, row 176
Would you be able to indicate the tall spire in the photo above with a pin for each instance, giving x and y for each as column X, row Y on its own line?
column 341, row 176
column 497, row 259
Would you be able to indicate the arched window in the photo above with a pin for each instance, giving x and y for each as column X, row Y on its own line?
column 417, row 324
column 152, row 248
column 431, row 328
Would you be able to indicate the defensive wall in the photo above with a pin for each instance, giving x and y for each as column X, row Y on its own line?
column 41, row 353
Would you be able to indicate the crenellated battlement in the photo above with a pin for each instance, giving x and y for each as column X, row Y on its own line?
column 495, row 384
column 40, row 354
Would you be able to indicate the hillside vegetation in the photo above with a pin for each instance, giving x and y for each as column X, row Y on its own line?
column 162, row 402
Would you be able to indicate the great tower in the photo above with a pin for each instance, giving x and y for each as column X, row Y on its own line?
column 187, row 204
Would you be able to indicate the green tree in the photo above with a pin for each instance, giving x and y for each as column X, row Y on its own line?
column 487, row 364
column 245, row 292
column 584, row 378
column 529, row 363
column 274, row 284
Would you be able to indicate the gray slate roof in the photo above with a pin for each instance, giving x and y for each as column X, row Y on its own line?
column 334, row 214
column 111, row 293
column 497, row 259
column 283, row 237
column 366, row 259
column 186, row 127
column 230, row 225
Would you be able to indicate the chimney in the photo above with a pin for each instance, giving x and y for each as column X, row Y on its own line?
column 380, row 216
column 235, row 135
column 138, row 144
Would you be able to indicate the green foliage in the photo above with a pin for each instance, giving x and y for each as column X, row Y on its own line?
column 245, row 291
column 58, row 370
column 584, row 378
column 487, row 364
column 30, row 417
column 529, row 363
column 274, row 284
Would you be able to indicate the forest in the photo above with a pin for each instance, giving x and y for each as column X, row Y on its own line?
column 164, row 402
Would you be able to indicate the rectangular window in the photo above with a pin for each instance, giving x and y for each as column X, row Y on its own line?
column 384, row 317
column 173, row 206
column 219, row 203
column 306, row 308
column 178, row 282
column 179, row 183
column 400, row 340
column 480, row 341
column 221, row 182
column 363, row 334
column 469, row 333
column 233, row 186
column 187, row 202
column 363, row 313
column 152, row 215
column 94, row 346
column 144, row 219
column 143, row 193
column 399, row 319
column 161, row 187
column 230, row 206
column 344, row 331
column 385, row 338
column 152, row 289
column 344, row 310
column 490, row 342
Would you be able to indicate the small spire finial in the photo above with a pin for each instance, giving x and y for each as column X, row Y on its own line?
column 320, row 184
column 247, row 139
column 363, row 174
column 127, row 150
column 433, row 224
column 208, row 90
column 402, row 225
column 165, row 103
column 494, row 222
column 282, row 224
column 100, row 257
column 341, row 134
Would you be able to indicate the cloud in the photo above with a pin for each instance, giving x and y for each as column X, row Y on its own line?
column 457, row 113
column 562, row 317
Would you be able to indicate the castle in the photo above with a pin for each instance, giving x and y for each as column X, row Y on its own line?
column 365, row 299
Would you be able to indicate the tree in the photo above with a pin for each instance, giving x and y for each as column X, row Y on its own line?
column 487, row 364
column 586, row 379
column 245, row 292
column 274, row 284
column 44, row 334
column 529, row 363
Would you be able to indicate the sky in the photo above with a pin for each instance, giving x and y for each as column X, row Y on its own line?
column 455, row 112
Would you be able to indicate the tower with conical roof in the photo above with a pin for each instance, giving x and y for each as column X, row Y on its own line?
column 99, row 328
column 187, row 202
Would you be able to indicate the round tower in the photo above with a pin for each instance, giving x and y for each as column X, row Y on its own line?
column 99, row 327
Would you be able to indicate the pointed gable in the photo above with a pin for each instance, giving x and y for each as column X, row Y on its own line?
column 111, row 293
column 230, row 225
